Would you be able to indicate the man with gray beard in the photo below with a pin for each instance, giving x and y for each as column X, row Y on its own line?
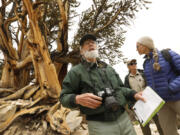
column 96, row 89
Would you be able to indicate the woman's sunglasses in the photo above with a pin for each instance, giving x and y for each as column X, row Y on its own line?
column 133, row 63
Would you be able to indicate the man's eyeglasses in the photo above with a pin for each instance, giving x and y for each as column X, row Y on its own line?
column 134, row 63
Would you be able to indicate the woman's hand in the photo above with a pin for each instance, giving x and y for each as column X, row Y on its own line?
column 138, row 96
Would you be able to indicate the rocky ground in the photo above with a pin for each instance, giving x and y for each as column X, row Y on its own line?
column 137, row 128
column 153, row 129
column 37, row 125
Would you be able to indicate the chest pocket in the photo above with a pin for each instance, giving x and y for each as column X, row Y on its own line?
column 113, row 78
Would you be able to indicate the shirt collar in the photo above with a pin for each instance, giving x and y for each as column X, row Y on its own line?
column 137, row 73
column 91, row 65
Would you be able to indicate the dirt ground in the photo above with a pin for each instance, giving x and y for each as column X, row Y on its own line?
column 153, row 130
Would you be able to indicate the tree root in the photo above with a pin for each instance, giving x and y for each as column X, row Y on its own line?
column 5, row 90
column 36, row 109
column 30, row 92
column 17, row 94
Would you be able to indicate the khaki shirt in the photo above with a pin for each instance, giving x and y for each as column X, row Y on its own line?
column 136, row 82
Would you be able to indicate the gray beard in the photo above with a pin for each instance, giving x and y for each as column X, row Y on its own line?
column 91, row 54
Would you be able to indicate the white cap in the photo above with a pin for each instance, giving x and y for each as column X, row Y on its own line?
column 146, row 41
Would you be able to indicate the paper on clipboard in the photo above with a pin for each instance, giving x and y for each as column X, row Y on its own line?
column 146, row 110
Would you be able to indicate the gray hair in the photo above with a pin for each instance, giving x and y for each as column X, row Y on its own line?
column 149, row 43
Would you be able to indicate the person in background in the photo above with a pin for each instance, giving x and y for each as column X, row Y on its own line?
column 95, row 88
column 164, row 78
column 135, row 80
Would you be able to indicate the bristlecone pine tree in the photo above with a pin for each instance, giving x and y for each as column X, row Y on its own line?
column 35, row 54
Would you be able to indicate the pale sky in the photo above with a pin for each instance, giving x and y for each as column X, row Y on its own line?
column 161, row 22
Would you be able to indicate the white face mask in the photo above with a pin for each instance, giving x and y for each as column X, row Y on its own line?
column 91, row 54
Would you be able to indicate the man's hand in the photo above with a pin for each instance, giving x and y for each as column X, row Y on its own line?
column 138, row 96
column 89, row 100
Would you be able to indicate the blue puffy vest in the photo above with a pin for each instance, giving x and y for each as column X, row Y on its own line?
column 165, row 82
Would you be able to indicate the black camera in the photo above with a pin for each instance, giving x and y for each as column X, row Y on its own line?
column 108, row 99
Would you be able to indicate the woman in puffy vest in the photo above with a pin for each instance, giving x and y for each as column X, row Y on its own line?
column 164, row 78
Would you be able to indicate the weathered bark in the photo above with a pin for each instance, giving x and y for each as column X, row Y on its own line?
column 43, row 66
column 12, row 76
column 33, row 50
column 6, row 42
column 62, row 46
column 7, row 78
